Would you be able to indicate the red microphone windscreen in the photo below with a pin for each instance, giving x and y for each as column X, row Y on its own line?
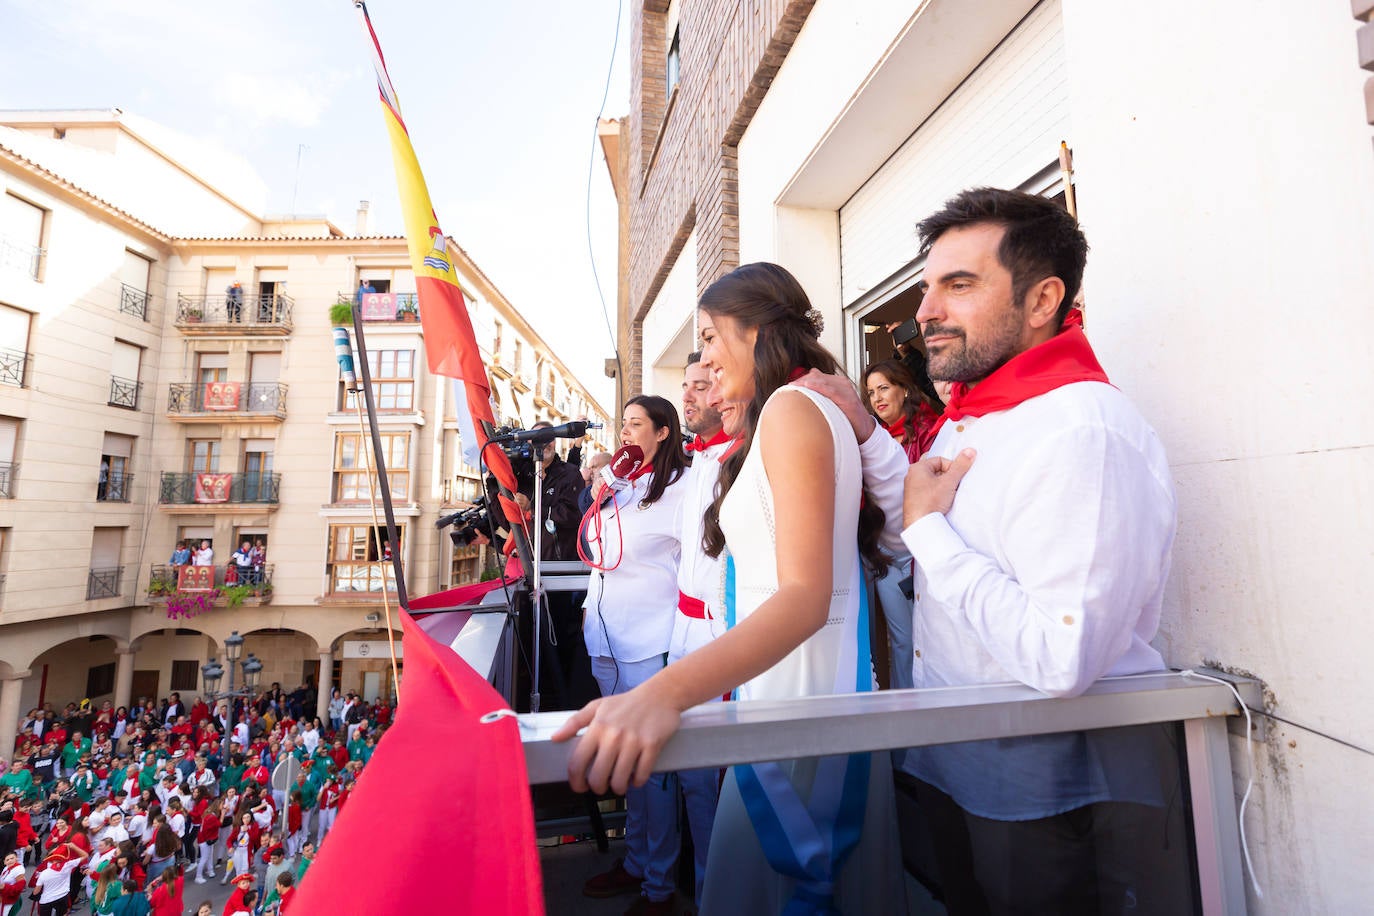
column 626, row 461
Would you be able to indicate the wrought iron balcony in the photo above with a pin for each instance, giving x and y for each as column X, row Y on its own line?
column 165, row 579
column 7, row 471
column 133, row 301
column 124, row 392
column 104, row 583
column 242, row 314
column 386, row 306
column 218, row 401
column 115, row 489
column 24, row 258
column 213, row 488
column 14, row 366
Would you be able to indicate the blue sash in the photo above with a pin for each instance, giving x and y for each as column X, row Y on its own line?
column 808, row 842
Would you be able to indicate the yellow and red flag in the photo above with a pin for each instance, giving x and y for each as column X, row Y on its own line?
column 450, row 344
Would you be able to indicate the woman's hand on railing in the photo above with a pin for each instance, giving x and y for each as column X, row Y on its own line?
column 625, row 734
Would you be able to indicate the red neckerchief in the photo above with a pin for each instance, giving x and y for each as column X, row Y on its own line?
column 700, row 445
column 1062, row 360
column 897, row 428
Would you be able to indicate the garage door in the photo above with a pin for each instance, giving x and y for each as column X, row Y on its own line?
column 1001, row 127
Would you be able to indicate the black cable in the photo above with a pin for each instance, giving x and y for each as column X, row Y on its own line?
column 1319, row 733
column 591, row 168
column 491, row 529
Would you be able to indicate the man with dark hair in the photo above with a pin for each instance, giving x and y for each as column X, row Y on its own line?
column 1041, row 524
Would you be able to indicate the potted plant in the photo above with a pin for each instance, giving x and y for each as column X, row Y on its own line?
column 192, row 315
column 341, row 314
column 406, row 309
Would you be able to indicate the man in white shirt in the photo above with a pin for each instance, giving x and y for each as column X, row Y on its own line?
column 1041, row 523
column 114, row 827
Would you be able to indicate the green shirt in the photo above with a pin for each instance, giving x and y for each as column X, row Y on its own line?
column 71, row 753
column 231, row 777
column 85, row 785
column 116, row 780
column 20, row 783
column 356, row 747
column 147, row 777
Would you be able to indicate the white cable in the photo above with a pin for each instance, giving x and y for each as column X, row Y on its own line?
column 1250, row 777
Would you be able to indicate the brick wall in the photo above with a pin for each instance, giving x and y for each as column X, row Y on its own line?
column 684, row 174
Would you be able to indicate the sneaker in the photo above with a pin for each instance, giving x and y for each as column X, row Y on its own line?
column 612, row 883
column 200, row 880
column 646, row 907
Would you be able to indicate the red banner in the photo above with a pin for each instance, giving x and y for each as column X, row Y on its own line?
column 195, row 578
column 213, row 488
column 222, row 395
column 379, row 306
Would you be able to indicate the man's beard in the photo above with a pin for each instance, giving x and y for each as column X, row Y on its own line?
column 706, row 418
column 961, row 361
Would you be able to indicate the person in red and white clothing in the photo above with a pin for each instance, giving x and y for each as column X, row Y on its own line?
column 206, row 839
column 12, row 883
column 256, row 772
column 329, row 798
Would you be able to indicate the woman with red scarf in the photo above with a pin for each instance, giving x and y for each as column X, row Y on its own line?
column 893, row 395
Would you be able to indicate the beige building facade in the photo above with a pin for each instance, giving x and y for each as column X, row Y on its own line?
column 143, row 402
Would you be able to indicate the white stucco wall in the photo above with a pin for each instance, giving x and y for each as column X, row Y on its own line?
column 1225, row 182
column 673, row 311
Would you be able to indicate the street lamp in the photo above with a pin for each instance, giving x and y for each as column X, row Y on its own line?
column 213, row 672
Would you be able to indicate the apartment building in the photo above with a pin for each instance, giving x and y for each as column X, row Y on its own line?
column 161, row 387
column 1221, row 152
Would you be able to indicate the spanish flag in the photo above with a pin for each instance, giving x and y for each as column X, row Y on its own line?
column 440, row 820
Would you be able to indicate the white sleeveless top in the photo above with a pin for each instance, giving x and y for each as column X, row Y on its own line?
column 825, row 663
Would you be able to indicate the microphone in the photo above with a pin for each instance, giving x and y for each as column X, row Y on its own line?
column 343, row 352
column 625, row 466
column 575, row 429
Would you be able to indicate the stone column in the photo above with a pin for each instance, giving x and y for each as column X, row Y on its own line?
column 10, row 688
column 325, row 686
column 124, row 677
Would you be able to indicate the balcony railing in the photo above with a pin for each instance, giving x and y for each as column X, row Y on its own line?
column 219, row 398
column 115, row 489
column 246, row 312
column 104, row 583
column 7, row 471
column 386, row 306
column 124, row 392
column 133, row 301
column 164, row 579
column 210, row 489
column 25, row 258
column 14, row 366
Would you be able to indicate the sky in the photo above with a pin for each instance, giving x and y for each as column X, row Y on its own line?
column 501, row 101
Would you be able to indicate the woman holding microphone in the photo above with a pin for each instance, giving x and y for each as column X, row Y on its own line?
column 627, row 624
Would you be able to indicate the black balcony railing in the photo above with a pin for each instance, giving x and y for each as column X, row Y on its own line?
column 239, row 311
column 114, row 489
column 164, row 579
column 25, row 258
column 387, row 307
column 133, row 301
column 181, row 489
column 104, row 583
column 14, row 366
column 7, row 472
column 124, row 392
column 220, row 397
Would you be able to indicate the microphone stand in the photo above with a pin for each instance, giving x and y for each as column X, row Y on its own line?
column 537, row 586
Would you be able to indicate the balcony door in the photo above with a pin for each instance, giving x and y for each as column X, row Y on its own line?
column 257, row 470
column 202, row 456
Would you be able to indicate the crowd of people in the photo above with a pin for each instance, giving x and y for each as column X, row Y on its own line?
column 121, row 808
column 986, row 501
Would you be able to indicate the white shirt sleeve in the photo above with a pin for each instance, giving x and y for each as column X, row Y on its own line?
column 1087, row 530
column 884, row 468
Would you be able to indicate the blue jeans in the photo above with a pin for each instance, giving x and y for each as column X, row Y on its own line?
column 651, row 837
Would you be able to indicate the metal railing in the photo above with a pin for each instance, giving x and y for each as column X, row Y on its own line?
column 190, row 398
column 115, row 489
column 133, row 301
column 104, row 583
column 7, row 472
column 261, row 311
column 162, row 577
column 14, row 366
column 180, row 489
column 124, row 392
column 26, row 258
column 724, row 734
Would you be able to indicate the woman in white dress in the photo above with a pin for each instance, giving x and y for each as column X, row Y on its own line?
column 790, row 515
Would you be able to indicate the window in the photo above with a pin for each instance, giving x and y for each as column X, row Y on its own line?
column 496, row 340
column 674, row 61
column 9, row 449
column 124, row 369
column 212, row 367
column 202, row 455
column 133, row 284
column 519, row 356
column 22, row 228
column 100, row 680
column 352, row 458
column 257, row 470
column 115, row 480
column 104, row 580
column 185, row 675
column 358, row 558
column 14, row 343
column 393, row 380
